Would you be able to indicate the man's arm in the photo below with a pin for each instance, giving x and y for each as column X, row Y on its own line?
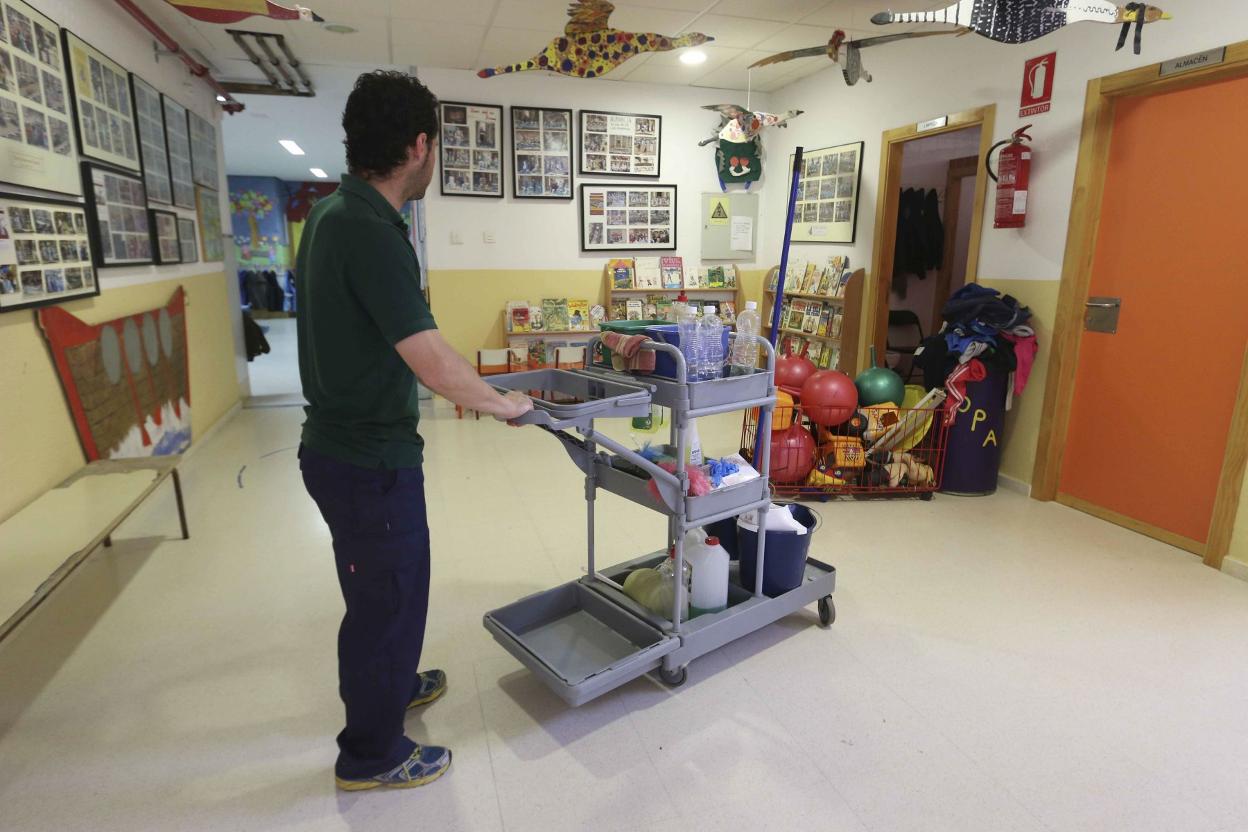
column 444, row 371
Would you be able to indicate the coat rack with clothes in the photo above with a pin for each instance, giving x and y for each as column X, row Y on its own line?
column 920, row 243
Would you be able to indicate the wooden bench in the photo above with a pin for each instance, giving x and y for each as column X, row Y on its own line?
column 45, row 542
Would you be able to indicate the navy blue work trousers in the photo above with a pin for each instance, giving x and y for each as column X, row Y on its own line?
column 381, row 549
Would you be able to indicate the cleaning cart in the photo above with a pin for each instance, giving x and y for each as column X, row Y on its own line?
column 587, row 637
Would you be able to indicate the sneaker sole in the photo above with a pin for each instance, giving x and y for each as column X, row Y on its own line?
column 365, row 785
column 437, row 694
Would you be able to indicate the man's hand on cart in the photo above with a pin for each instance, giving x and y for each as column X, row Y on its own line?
column 518, row 404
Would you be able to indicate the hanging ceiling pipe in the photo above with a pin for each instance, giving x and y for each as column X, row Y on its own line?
column 230, row 104
column 277, row 64
column 264, row 68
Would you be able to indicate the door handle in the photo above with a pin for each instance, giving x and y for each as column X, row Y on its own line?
column 1103, row 305
column 1102, row 314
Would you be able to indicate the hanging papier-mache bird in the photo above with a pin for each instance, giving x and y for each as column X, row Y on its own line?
column 852, row 68
column 739, row 157
column 1020, row 21
column 232, row 11
column 590, row 48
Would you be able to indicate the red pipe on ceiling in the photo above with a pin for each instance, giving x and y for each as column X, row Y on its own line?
column 197, row 69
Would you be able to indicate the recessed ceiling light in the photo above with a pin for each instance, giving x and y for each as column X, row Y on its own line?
column 318, row 173
column 291, row 147
column 340, row 28
column 221, row 98
column 692, row 57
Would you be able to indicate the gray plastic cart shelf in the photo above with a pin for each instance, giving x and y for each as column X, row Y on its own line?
column 588, row 397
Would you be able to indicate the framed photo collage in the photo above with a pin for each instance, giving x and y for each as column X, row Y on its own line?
column 118, row 160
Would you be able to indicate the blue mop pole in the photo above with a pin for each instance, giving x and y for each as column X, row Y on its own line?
column 774, row 337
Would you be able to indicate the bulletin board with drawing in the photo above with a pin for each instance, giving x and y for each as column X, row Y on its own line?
column 827, row 198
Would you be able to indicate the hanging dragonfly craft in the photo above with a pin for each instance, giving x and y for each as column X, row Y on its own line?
column 590, row 48
column 739, row 155
column 1020, row 21
column 852, row 67
column 232, row 11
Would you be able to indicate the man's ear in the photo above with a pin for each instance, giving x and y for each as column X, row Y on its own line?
column 419, row 149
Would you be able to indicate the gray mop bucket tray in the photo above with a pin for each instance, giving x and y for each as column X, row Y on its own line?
column 568, row 398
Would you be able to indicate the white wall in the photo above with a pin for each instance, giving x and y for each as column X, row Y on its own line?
column 923, row 79
column 537, row 234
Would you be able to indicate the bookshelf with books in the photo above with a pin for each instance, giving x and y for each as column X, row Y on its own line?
column 644, row 288
column 820, row 311
column 542, row 327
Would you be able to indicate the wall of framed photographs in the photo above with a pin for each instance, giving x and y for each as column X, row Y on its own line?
column 100, row 88
column 44, row 254
column 472, row 149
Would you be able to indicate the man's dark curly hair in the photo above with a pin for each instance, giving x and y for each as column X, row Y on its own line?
column 385, row 113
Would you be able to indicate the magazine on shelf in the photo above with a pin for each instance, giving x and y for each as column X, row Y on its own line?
column 673, row 272
column 797, row 316
column 555, row 312
column 646, row 274
column 622, row 270
column 578, row 315
column 517, row 315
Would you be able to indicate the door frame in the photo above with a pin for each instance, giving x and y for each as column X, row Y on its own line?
column 1099, row 109
column 892, row 145
column 959, row 169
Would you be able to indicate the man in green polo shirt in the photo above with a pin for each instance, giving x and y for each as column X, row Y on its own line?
column 365, row 336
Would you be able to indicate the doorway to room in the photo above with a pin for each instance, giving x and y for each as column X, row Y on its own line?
column 928, row 224
column 1147, row 408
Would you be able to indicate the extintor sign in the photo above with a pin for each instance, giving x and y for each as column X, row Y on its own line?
column 1038, row 85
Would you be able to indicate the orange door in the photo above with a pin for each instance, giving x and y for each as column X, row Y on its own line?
column 1152, row 406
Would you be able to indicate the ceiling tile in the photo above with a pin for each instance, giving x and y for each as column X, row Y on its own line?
column 716, row 56
column 785, row 11
column 345, row 11
column 547, row 15
column 739, row 32
column 369, row 44
column 675, row 5
column 509, row 46
column 465, row 12
column 641, row 19
column 626, row 69
column 796, row 37
column 448, row 46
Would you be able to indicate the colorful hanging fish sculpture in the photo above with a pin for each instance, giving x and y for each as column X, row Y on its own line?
column 1020, row 21
column 232, row 11
column 589, row 48
column 852, row 69
column 739, row 157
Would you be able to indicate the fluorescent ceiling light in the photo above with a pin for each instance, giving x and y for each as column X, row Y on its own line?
column 693, row 57
column 291, row 147
column 318, row 173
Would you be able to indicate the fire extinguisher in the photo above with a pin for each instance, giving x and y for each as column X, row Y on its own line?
column 1014, row 166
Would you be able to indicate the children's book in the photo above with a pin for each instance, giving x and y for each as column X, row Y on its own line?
column 715, row 277
column 835, row 326
column 537, row 321
column 622, row 270
column 646, row 273
column 773, row 278
column 730, row 277
column 650, row 311
column 596, row 316
column 517, row 316
column 811, row 321
column 826, row 281
column 619, row 310
column 810, row 281
column 797, row 316
column 537, row 353
column 815, row 352
column 578, row 315
column 673, row 271
column 635, row 308
column 663, row 308
column 555, row 311
column 825, row 320
column 728, row 311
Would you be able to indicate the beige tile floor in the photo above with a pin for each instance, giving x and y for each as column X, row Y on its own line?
column 998, row 664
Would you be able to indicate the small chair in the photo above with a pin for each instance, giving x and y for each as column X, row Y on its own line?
column 493, row 363
column 905, row 334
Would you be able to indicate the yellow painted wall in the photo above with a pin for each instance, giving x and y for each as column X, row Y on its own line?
column 469, row 303
column 39, row 445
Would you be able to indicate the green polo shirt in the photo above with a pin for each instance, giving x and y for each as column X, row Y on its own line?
column 358, row 287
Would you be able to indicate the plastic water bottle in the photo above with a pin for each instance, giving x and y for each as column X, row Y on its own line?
column 711, row 334
column 744, row 347
column 687, row 325
column 708, row 590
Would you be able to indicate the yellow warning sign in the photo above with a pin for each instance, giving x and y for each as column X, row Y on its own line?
column 719, row 210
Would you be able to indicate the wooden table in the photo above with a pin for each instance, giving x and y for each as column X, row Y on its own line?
column 45, row 542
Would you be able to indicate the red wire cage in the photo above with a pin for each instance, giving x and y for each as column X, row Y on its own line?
column 882, row 451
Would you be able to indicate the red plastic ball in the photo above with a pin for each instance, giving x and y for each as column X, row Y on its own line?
column 792, row 372
column 792, row 455
column 829, row 398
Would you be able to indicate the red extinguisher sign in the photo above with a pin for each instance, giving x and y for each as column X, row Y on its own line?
column 1012, row 177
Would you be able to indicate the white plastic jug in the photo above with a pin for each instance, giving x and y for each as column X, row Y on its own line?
column 709, row 591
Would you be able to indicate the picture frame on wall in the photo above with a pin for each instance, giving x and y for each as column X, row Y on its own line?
column 619, row 217
column 153, row 151
column 45, row 252
column 541, row 153
column 36, row 137
column 827, row 197
column 166, row 243
column 117, row 216
column 203, row 135
column 471, row 149
column 620, row 144
column 211, row 239
column 186, row 238
column 178, row 144
column 104, row 115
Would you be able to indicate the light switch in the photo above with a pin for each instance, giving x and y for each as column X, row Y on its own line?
column 457, row 239
column 488, row 236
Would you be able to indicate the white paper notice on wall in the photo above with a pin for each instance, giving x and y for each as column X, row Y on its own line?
column 742, row 234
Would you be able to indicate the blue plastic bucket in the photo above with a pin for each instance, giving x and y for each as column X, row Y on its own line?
column 784, row 559
column 665, row 364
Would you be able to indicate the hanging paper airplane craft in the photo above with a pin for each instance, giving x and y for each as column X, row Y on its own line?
column 852, row 68
column 1020, row 21
column 589, row 48
column 232, row 11
column 739, row 157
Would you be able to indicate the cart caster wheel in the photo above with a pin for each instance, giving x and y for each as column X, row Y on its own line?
column 675, row 678
column 827, row 611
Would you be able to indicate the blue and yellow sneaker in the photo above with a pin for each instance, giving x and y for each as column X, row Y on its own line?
column 427, row 763
column 429, row 686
